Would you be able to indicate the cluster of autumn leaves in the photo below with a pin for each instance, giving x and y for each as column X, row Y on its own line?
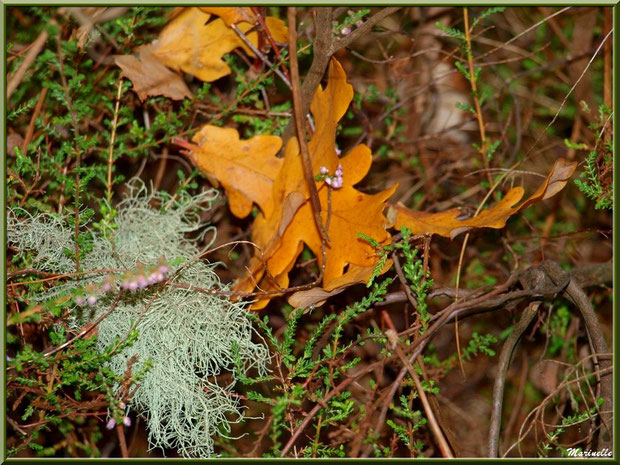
column 252, row 173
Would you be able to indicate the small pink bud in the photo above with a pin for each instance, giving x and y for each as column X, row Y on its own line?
column 111, row 424
column 338, row 151
column 339, row 171
column 360, row 23
column 163, row 269
column 122, row 405
column 106, row 286
column 324, row 170
column 132, row 286
column 160, row 277
column 142, row 282
column 337, row 183
column 328, row 181
column 152, row 279
column 345, row 31
column 92, row 300
column 127, row 421
column 80, row 300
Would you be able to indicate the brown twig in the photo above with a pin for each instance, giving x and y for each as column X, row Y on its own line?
column 474, row 91
column 87, row 329
column 122, row 441
column 34, row 51
column 324, row 47
column 503, row 364
column 161, row 169
column 444, row 447
column 267, row 32
column 595, row 334
column 301, row 135
column 112, row 138
column 35, row 115
column 403, row 281
column 516, row 405
column 260, row 55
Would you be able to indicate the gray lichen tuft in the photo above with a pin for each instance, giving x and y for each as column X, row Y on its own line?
column 190, row 338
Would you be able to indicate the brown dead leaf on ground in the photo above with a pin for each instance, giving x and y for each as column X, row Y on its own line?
column 192, row 43
column 231, row 15
column 317, row 296
column 352, row 212
column 446, row 223
column 281, row 229
column 246, row 168
column 150, row 77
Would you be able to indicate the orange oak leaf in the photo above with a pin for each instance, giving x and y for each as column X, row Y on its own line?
column 246, row 168
column 282, row 235
column 231, row 15
column 317, row 296
column 192, row 43
column 150, row 77
column 446, row 223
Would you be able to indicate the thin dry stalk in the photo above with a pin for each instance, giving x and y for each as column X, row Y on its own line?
column 112, row 138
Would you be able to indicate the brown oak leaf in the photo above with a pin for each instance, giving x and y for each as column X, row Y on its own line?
column 192, row 43
column 150, row 77
column 446, row 223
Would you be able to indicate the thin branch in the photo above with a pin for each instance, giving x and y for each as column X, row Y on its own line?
column 299, row 119
column 112, row 138
column 444, row 447
column 260, row 55
column 86, row 330
column 503, row 364
column 34, row 51
column 361, row 31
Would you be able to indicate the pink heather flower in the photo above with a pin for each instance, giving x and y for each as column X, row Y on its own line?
column 339, row 171
column 338, row 151
column 163, row 269
column 359, row 23
column 337, row 182
column 328, row 181
column 92, row 300
column 132, row 286
column 80, row 300
column 111, row 424
column 122, row 405
column 106, row 286
column 142, row 282
column 127, row 421
column 324, row 170
column 152, row 279
column 345, row 31
column 160, row 277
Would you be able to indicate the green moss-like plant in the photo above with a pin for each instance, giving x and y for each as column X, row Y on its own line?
column 189, row 338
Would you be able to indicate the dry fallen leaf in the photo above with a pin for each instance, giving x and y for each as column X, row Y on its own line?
column 251, row 173
column 282, row 235
column 446, row 223
column 246, row 168
column 231, row 15
column 317, row 296
column 192, row 43
column 150, row 77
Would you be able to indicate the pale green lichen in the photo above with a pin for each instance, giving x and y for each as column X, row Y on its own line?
column 189, row 337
